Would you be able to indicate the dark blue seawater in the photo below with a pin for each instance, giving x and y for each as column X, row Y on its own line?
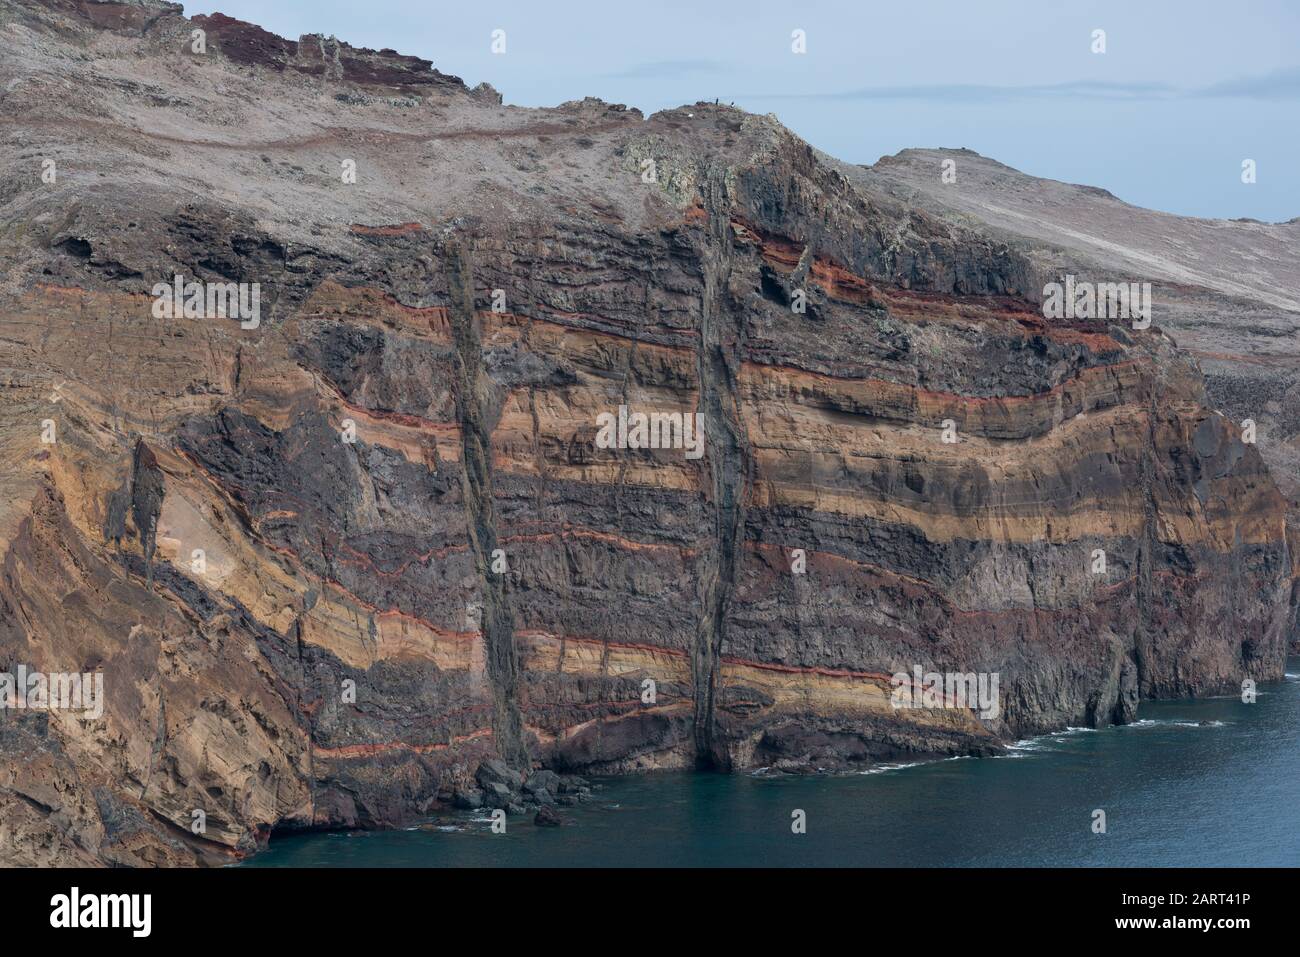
column 1198, row 783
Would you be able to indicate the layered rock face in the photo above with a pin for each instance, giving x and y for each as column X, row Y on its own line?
column 1227, row 291
column 330, row 559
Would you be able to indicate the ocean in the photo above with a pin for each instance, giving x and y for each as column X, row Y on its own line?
column 1211, row 782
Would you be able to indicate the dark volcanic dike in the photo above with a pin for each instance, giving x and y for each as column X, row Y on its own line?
column 718, row 366
column 472, row 394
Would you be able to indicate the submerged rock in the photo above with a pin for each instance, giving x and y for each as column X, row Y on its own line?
column 469, row 800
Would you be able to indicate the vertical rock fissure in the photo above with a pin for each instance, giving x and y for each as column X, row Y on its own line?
column 717, row 364
column 300, row 712
column 498, row 620
column 1146, row 548
column 147, row 490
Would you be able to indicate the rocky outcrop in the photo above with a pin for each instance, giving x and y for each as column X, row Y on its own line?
column 1226, row 291
column 336, row 562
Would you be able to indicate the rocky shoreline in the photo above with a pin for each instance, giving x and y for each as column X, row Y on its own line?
column 500, row 787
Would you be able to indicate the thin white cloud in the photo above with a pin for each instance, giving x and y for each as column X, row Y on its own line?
column 1281, row 84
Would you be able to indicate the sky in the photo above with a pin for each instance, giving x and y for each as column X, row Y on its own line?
column 1185, row 91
